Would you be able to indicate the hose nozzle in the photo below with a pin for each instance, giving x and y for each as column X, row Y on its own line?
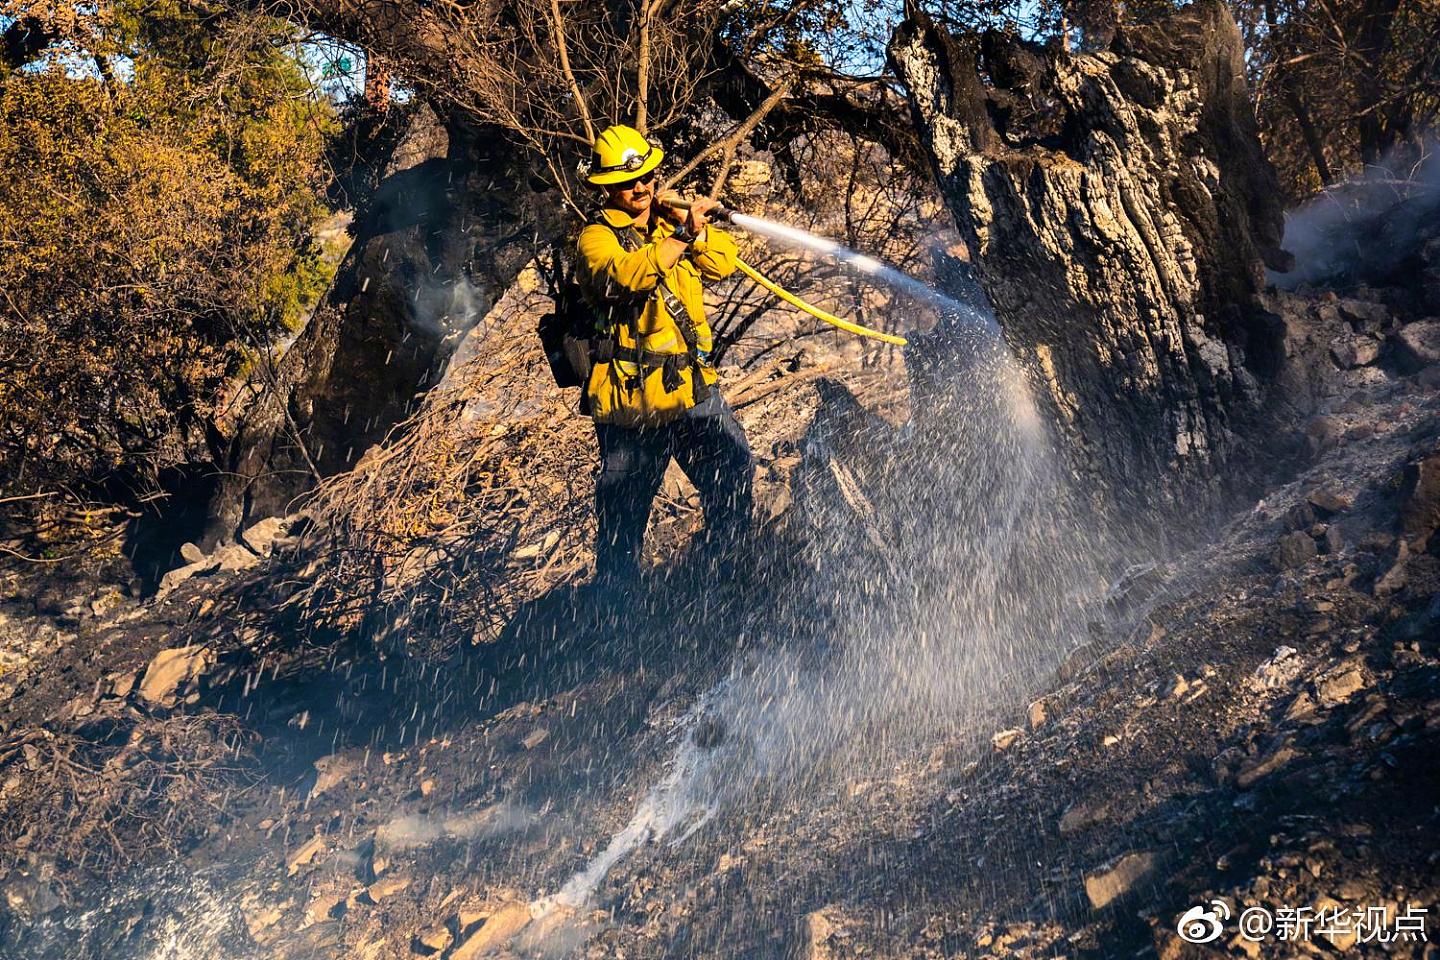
column 675, row 202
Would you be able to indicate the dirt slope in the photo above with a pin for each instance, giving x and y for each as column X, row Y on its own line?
column 1254, row 720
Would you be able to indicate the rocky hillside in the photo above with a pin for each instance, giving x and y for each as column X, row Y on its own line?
column 217, row 772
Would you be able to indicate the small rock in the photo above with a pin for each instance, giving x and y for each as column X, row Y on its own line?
column 389, row 886
column 1393, row 580
column 179, row 575
column 1264, row 766
column 1005, row 738
column 1178, row 688
column 1111, row 882
column 496, row 931
column 1301, row 709
column 191, row 553
column 1363, row 314
column 1294, row 550
column 432, row 940
column 1339, row 685
column 1355, row 351
column 1333, row 543
column 1328, row 502
column 170, row 668
column 1035, row 714
column 1300, row 516
column 324, row 906
column 1079, row 816
column 1324, row 433
column 1417, row 344
column 535, row 737
column 260, row 537
column 330, row 771
column 121, row 684
column 305, row 856
column 427, row 787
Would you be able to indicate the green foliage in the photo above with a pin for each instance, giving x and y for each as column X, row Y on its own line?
column 158, row 196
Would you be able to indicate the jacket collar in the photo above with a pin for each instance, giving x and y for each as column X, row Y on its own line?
column 619, row 219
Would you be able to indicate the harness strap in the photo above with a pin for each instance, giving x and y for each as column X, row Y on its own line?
column 630, row 241
column 670, row 364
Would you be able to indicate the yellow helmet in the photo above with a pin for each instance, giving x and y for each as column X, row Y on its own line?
column 620, row 153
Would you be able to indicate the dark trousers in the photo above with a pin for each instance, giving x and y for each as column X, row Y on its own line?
column 710, row 447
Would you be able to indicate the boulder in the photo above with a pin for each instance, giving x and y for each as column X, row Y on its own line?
column 171, row 668
column 1420, row 499
column 1417, row 345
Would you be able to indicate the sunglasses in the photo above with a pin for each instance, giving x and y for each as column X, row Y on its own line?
column 643, row 180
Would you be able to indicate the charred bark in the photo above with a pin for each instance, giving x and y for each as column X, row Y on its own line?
column 442, row 228
column 1119, row 212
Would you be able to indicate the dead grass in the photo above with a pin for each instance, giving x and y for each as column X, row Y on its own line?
column 97, row 799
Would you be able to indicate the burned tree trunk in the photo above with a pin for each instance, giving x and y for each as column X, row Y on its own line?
column 1118, row 210
column 443, row 227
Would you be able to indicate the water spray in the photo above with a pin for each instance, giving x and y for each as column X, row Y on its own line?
column 778, row 231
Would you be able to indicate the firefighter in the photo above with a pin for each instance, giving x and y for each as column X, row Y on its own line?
column 651, row 387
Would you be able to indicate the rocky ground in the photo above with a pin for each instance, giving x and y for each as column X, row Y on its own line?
column 1255, row 720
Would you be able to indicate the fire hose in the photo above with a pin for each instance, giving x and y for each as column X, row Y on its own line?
column 725, row 213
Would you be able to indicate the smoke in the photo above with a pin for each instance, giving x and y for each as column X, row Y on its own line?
column 410, row 832
column 1368, row 230
column 447, row 312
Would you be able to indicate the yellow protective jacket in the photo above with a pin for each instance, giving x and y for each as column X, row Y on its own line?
column 651, row 377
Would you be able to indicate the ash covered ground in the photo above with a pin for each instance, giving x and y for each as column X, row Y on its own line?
column 918, row 719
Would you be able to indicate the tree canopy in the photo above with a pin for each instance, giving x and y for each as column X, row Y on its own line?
column 161, row 176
